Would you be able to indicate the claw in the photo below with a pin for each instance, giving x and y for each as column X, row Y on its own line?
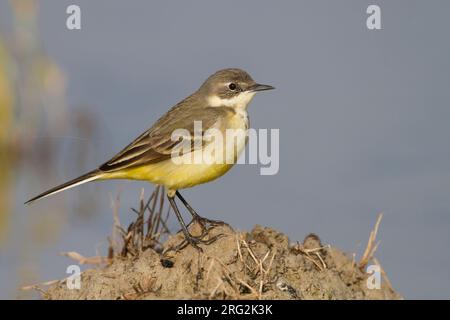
column 205, row 224
column 195, row 241
column 205, row 221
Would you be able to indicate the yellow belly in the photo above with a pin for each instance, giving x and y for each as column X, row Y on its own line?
column 173, row 176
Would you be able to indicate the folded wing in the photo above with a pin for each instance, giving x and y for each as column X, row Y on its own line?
column 156, row 144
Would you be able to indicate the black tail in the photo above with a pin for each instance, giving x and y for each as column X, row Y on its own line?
column 93, row 175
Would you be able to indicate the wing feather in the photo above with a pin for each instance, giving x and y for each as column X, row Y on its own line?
column 156, row 144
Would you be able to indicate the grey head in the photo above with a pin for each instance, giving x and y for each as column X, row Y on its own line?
column 230, row 87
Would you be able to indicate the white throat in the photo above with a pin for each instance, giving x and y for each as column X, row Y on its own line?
column 240, row 101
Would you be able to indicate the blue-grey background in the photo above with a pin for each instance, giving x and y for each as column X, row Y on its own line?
column 363, row 116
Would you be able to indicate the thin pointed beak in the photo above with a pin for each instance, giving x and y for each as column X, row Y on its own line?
column 260, row 87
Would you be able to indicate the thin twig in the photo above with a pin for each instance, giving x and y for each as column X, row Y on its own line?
column 371, row 246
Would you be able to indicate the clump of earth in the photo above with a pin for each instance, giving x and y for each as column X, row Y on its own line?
column 261, row 264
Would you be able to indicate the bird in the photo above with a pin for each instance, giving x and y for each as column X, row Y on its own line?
column 220, row 104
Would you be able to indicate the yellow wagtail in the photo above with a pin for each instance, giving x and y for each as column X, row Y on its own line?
column 221, row 104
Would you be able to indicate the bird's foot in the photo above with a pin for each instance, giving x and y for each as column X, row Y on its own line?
column 208, row 224
column 195, row 241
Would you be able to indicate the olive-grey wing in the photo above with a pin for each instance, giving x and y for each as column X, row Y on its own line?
column 156, row 144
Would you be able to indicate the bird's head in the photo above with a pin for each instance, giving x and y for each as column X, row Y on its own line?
column 231, row 88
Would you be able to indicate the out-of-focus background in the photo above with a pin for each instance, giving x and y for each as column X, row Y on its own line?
column 363, row 117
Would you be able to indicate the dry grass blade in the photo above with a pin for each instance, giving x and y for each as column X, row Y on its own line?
column 209, row 269
column 254, row 292
column 150, row 217
column 37, row 286
column 371, row 245
column 250, row 251
column 259, row 274
column 238, row 245
column 321, row 260
column 311, row 253
column 154, row 216
column 319, row 266
column 95, row 260
column 114, row 244
column 315, row 250
column 383, row 273
column 219, row 284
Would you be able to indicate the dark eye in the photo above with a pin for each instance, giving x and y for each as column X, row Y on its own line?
column 232, row 86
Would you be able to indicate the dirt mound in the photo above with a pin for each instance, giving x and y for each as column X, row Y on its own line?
column 261, row 264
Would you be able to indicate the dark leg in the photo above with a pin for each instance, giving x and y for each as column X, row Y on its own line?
column 187, row 235
column 193, row 241
column 197, row 217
